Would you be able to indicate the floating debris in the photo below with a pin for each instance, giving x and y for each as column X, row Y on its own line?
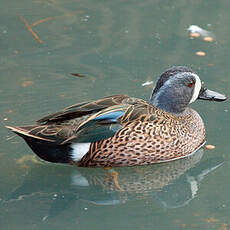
column 223, row 227
column 27, row 83
column 42, row 20
column 210, row 147
column 211, row 220
column 28, row 159
column 208, row 39
column 200, row 53
column 194, row 35
column 30, row 29
column 77, row 75
column 147, row 83
column 44, row 218
column 196, row 31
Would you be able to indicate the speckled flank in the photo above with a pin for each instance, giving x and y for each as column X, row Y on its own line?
column 156, row 137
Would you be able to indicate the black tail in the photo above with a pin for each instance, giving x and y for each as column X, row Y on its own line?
column 46, row 150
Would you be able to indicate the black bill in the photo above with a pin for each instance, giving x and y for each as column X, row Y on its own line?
column 206, row 94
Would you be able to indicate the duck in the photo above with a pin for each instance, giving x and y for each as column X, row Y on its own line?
column 119, row 130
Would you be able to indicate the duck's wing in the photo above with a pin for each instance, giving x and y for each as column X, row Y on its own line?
column 107, row 122
column 57, row 141
column 86, row 108
column 99, row 126
column 85, row 122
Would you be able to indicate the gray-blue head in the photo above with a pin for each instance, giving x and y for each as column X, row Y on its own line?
column 179, row 86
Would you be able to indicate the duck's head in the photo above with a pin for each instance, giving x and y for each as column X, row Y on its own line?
column 179, row 86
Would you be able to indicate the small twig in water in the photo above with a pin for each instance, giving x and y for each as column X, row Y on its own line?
column 41, row 21
column 30, row 29
column 77, row 75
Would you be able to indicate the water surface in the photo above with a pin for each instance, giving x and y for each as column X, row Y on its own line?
column 117, row 45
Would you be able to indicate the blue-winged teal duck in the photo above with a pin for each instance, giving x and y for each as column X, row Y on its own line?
column 124, row 131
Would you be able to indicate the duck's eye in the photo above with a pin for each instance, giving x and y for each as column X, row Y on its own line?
column 191, row 84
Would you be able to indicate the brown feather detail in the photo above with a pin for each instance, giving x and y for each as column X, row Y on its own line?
column 103, row 112
column 85, row 108
column 134, row 112
column 164, row 138
column 62, row 127
column 26, row 131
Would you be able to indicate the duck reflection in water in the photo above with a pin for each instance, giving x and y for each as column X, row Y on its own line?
column 172, row 184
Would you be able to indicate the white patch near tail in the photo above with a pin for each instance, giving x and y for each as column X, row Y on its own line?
column 196, row 88
column 79, row 150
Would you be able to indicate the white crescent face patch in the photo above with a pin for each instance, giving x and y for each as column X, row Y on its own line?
column 79, row 150
column 197, row 87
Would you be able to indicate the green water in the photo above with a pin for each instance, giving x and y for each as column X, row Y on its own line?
column 117, row 45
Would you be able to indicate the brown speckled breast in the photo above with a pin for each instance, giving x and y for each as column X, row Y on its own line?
column 154, row 138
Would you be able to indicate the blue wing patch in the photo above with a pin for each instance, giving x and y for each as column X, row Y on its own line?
column 99, row 128
column 113, row 116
